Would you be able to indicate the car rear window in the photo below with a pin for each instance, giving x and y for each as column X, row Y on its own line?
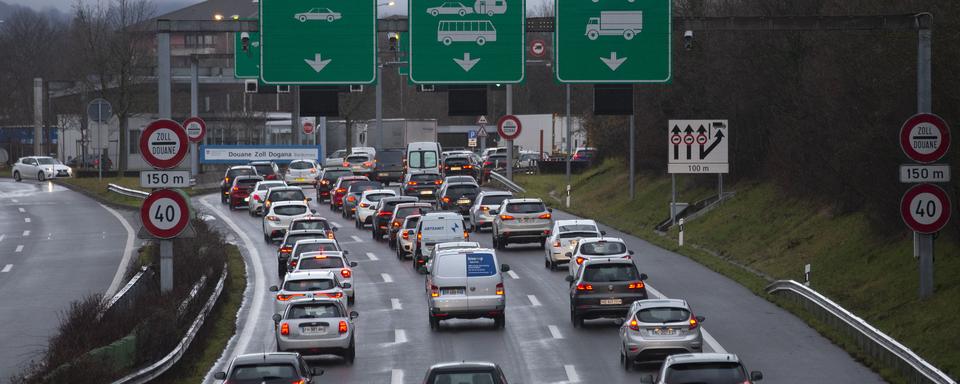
column 460, row 190
column 265, row 186
column 457, row 161
column 287, row 195
column 578, row 227
column 314, row 311
column 404, row 212
column 377, row 196
column 451, row 266
column 425, row 177
column 315, row 247
column 718, row 372
column 290, row 210
column 264, row 169
column 600, row 248
column 333, row 175
column 609, row 273
column 462, row 377
column 293, row 239
column 309, row 285
column 257, row 374
column 389, row 157
column 571, row 235
column 247, row 183
column 365, row 186
column 301, row 165
column 357, row 159
column 422, row 159
column 309, row 224
column 663, row 315
column 320, row 262
column 240, row 172
column 493, row 200
column 526, row 207
column 412, row 222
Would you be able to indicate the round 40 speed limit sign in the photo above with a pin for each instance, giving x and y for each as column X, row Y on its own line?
column 925, row 208
column 165, row 213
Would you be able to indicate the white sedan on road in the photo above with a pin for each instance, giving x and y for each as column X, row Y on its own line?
column 39, row 167
column 277, row 218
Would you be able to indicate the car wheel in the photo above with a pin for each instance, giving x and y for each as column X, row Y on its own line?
column 41, row 176
column 351, row 300
column 373, row 233
column 500, row 321
column 351, row 354
column 543, row 243
column 547, row 264
column 392, row 244
column 575, row 319
column 16, row 176
column 624, row 361
column 434, row 323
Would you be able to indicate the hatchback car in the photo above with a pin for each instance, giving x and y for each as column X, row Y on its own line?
column 404, row 242
column 279, row 194
column 521, row 221
column 258, row 368
column 241, row 189
column 229, row 175
column 352, row 197
column 316, row 326
column 335, row 262
column 465, row 372
column 455, row 165
column 493, row 163
column 361, row 164
column 259, row 194
column 457, row 197
column 657, row 328
column 340, row 190
column 707, row 368
column 310, row 245
column 597, row 248
column 422, row 184
column 313, row 223
column 277, row 218
column 268, row 169
column 302, row 172
column 328, row 179
column 480, row 216
column 466, row 284
column 605, row 289
column 563, row 240
column 35, row 167
column 384, row 214
column 308, row 284
column 289, row 240
column 367, row 205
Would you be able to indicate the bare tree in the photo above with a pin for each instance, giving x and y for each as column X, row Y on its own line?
column 541, row 8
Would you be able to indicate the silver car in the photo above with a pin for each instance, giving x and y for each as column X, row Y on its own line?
column 307, row 284
column 316, row 326
column 657, row 328
column 563, row 240
column 302, row 172
column 480, row 211
column 521, row 221
column 311, row 245
column 597, row 248
column 703, row 368
column 259, row 194
column 335, row 262
column 466, row 284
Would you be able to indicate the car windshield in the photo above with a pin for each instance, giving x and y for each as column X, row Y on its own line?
column 309, row 224
column 357, row 159
column 301, row 165
column 240, row 171
column 287, row 195
column 290, row 210
column 425, row 177
column 315, row 247
column 663, row 315
column 264, row 169
column 461, row 190
column 314, row 311
column 718, row 372
column 333, row 175
column 263, row 373
column 321, row 262
column 494, row 200
column 266, row 186
column 45, row 161
column 309, row 285
column 609, row 273
column 378, row 196
column 600, row 248
column 463, row 377
column 422, row 159
column 526, row 207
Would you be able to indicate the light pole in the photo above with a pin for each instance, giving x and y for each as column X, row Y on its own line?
column 379, row 91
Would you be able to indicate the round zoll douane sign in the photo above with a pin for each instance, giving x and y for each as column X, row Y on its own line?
column 196, row 128
column 165, row 213
column 163, row 144
column 925, row 208
column 509, row 127
column 925, row 138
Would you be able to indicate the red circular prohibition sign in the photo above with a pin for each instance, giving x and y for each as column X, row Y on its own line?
column 907, row 129
column 177, row 157
column 907, row 208
column 146, row 218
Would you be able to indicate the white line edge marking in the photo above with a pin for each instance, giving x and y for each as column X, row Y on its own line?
column 533, row 300
column 127, row 252
column 400, row 336
column 355, row 238
column 386, row 278
column 26, row 219
column 26, row 233
column 513, row 274
column 707, row 338
column 19, row 249
column 395, row 304
column 2, row 236
column 396, row 376
column 555, row 332
column 15, row 200
column 372, row 256
column 22, row 210
column 7, row 268
column 572, row 375
column 335, row 224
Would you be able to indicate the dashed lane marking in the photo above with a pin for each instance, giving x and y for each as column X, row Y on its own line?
column 395, row 304
column 26, row 233
column 2, row 236
column 356, row 238
column 7, row 268
column 555, row 332
column 386, row 278
column 533, row 300
column 396, row 376
column 22, row 210
column 19, row 249
column 513, row 275
column 572, row 376
column 399, row 336
column 372, row 256
column 26, row 219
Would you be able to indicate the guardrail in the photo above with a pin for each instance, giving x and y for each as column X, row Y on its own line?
column 506, row 182
column 127, row 191
column 138, row 284
column 871, row 340
column 156, row 369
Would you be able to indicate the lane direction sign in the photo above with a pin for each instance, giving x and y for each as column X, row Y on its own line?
column 509, row 127
column 165, row 213
column 196, row 129
column 469, row 42
column 318, row 42
column 925, row 208
column 698, row 146
column 163, row 144
column 925, row 138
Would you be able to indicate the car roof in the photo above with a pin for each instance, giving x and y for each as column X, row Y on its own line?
column 496, row 193
column 457, row 245
column 575, row 222
column 315, row 299
column 245, row 177
column 599, row 239
column 268, row 358
column 260, row 162
column 657, row 303
column 311, row 218
column 701, row 358
column 412, row 205
column 443, row 215
column 462, row 365
column 240, row 167
column 523, row 200
column 310, row 274
column 317, row 240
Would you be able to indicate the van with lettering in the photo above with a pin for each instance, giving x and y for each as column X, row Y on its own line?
column 438, row 227
column 466, row 284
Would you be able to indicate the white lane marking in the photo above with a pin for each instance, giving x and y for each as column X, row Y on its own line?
column 555, row 332
column 7, row 268
column 707, row 338
column 15, row 201
column 335, row 224
column 22, row 210
column 26, row 233
column 386, row 278
column 127, row 252
column 356, row 238
column 2, row 236
column 533, row 300
column 395, row 304
column 572, row 376
column 372, row 256
column 396, row 376
column 19, row 249
column 400, row 336
column 26, row 219
column 512, row 275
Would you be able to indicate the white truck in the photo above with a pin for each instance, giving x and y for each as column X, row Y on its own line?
column 615, row 23
column 396, row 132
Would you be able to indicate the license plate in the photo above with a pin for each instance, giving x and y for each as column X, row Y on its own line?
column 427, row 192
column 318, row 330
column 463, row 201
column 300, row 179
column 452, row 291
column 663, row 332
column 383, row 174
column 455, row 168
column 611, row 301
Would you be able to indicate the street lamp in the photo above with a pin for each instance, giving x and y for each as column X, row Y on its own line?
column 218, row 17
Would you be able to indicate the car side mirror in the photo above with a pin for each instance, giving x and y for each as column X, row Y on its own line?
column 220, row 375
column 504, row 268
column 274, row 288
column 756, row 375
column 354, row 264
column 569, row 254
column 277, row 317
column 334, row 229
column 354, row 315
column 631, row 253
column 647, row 379
column 569, row 278
column 700, row 319
column 603, row 233
column 346, row 285
column 643, row 276
column 313, row 211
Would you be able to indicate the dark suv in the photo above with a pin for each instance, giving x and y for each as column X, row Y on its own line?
column 457, row 197
column 227, row 182
column 456, row 165
column 384, row 213
column 422, row 184
column 388, row 166
column 605, row 288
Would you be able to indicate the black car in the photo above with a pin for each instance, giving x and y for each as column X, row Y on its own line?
column 227, row 182
column 605, row 288
column 456, row 165
column 384, row 213
column 327, row 179
column 268, row 169
column 494, row 162
column 388, row 166
column 422, row 184
column 269, row 367
column 457, row 197
column 289, row 240
column 465, row 372
column 354, row 192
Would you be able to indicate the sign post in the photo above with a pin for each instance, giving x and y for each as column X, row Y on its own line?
column 100, row 111
column 165, row 214
column 196, row 129
column 509, row 128
column 697, row 146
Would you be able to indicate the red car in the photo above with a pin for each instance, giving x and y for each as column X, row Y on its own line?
column 241, row 189
column 340, row 190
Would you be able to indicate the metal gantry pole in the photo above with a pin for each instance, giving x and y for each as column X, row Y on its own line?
column 296, row 132
column 37, row 116
column 924, row 242
column 194, row 109
column 569, row 142
column 379, row 103
column 633, row 150
column 509, row 142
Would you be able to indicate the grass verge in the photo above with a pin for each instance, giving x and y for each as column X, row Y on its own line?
column 760, row 234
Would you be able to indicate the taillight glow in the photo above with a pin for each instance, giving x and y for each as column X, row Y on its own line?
column 285, row 329
column 288, row 296
column 324, row 181
column 634, row 326
column 446, row 199
column 438, row 182
column 384, row 213
column 364, row 205
column 346, row 273
column 352, row 199
column 346, row 164
column 405, row 235
column 636, row 285
column 580, row 260
column 343, row 326
column 556, row 244
column 466, row 235
column 286, row 249
column 484, row 208
column 396, row 224
column 341, row 190
column 546, row 216
column 693, row 322
column 330, row 235
column 584, row 287
column 506, row 217
column 235, row 189
column 500, row 289
column 419, row 236
column 434, row 291
column 273, row 218
column 411, row 183
column 336, row 295
column 367, row 164
column 256, row 197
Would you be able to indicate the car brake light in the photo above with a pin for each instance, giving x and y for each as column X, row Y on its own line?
column 487, row 163
column 293, row 263
column 330, row 235
column 320, row 256
column 506, row 217
column 256, row 197
column 396, row 224
column 226, row 179
column 336, row 295
column 345, row 273
column 384, row 213
column 286, row 249
column 367, row 164
column 364, row 205
column 546, row 216
column 236, row 189
column 500, row 289
column 634, row 326
column 324, row 181
column 341, row 190
column 343, row 326
column 285, row 329
column 419, row 237
column 273, row 218
column 556, row 244
column 438, row 182
column 584, row 287
column 484, row 208
column 580, row 260
column 434, row 291
column 467, row 167
column 287, row 297
column 411, row 183
column 351, row 199
column 636, row 285
column 693, row 322
column 446, row 199
column 346, row 164
column 405, row 235
column 466, row 235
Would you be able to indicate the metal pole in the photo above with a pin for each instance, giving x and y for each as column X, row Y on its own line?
column 166, row 266
column 568, row 140
column 379, row 105
column 194, row 106
column 673, row 198
column 924, row 244
column 509, row 142
column 37, row 116
column 322, row 130
column 295, row 129
column 99, row 140
column 163, row 77
column 633, row 150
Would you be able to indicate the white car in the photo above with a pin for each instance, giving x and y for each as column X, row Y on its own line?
column 318, row 14
column 335, row 262
column 335, row 159
column 302, row 172
column 480, row 211
column 405, row 237
column 307, row 284
column 277, row 218
column 367, row 205
column 563, row 239
column 593, row 248
column 259, row 193
column 35, row 167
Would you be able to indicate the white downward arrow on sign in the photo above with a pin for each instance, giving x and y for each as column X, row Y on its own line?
column 613, row 62
column 317, row 64
column 466, row 63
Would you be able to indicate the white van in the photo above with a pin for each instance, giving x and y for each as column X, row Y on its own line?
column 424, row 155
column 438, row 227
column 466, row 284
